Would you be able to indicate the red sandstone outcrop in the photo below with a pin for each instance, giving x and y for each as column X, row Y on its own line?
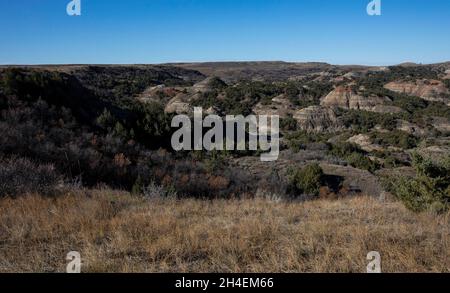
column 430, row 90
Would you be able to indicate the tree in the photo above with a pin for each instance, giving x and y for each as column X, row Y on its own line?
column 307, row 180
column 429, row 190
column 106, row 120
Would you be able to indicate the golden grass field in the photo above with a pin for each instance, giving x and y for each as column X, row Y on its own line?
column 116, row 232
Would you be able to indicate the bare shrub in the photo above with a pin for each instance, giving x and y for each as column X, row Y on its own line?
column 272, row 188
column 155, row 191
column 19, row 176
column 268, row 196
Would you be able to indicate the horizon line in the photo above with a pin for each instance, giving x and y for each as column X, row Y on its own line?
column 223, row 61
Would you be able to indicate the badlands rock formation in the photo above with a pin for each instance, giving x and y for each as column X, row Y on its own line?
column 430, row 90
column 365, row 143
column 317, row 119
column 441, row 124
column 182, row 103
column 159, row 93
column 410, row 128
column 344, row 97
column 280, row 106
column 208, row 84
column 447, row 74
column 176, row 106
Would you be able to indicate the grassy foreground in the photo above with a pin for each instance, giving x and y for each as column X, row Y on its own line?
column 116, row 232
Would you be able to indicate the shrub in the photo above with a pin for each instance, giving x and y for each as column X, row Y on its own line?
column 138, row 186
column 396, row 138
column 155, row 191
column 291, row 91
column 288, row 123
column 434, row 109
column 391, row 161
column 343, row 150
column 215, row 160
column 429, row 190
column 299, row 139
column 447, row 83
column 106, row 120
column 374, row 81
column 273, row 185
column 305, row 94
column 354, row 156
column 241, row 97
column 217, row 84
column 153, row 121
column 360, row 161
column 410, row 104
column 19, row 176
column 207, row 99
column 363, row 121
column 307, row 181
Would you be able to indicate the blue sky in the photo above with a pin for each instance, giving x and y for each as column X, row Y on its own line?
column 158, row 31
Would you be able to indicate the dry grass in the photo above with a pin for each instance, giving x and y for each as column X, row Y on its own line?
column 115, row 232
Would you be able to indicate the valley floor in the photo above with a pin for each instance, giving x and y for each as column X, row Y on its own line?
column 116, row 232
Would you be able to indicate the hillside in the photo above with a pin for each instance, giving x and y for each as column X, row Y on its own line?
column 108, row 124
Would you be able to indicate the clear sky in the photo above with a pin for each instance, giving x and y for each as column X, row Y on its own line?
column 158, row 31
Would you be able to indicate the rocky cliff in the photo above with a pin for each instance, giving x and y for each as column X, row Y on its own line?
column 317, row 119
column 430, row 90
column 344, row 97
